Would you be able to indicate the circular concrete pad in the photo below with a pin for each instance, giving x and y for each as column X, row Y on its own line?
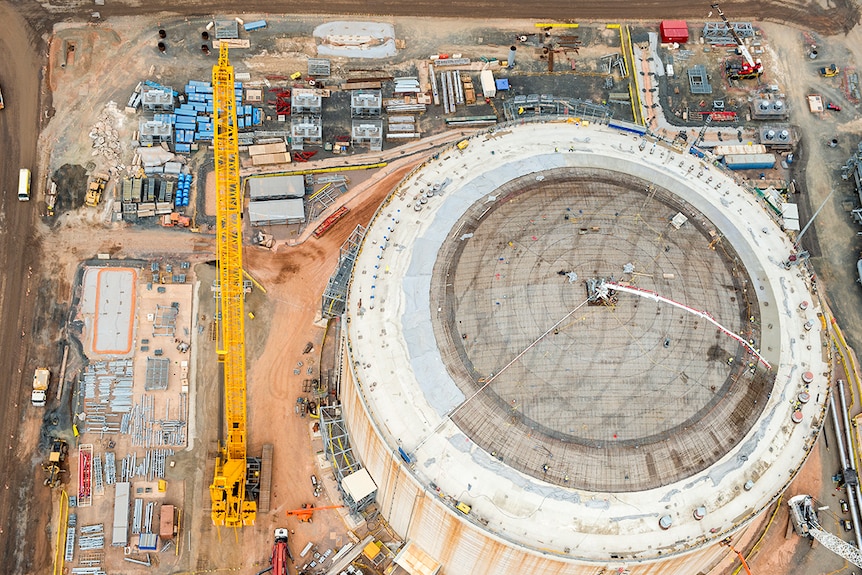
column 627, row 396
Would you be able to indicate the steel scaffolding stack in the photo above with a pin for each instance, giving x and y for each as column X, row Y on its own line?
column 335, row 296
column 157, row 373
column 718, row 33
column 548, row 105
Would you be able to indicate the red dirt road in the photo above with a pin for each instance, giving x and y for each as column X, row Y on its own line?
column 23, row 505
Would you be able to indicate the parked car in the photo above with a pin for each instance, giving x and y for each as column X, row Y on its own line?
column 844, row 507
column 834, row 107
column 847, row 524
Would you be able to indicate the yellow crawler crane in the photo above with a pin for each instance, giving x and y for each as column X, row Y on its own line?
column 229, row 504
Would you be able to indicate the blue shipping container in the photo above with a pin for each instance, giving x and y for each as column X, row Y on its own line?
column 749, row 161
column 256, row 25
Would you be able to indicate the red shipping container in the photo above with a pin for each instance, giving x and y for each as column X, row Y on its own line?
column 674, row 31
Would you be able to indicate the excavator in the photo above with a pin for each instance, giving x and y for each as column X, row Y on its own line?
column 232, row 503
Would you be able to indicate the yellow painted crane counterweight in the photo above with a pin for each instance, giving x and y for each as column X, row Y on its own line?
column 229, row 504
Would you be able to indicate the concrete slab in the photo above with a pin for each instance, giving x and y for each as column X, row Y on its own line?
column 108, row 307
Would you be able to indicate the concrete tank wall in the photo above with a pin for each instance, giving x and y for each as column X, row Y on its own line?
column 462, row 547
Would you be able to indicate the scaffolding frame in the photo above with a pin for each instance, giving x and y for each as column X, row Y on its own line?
column 325, row 199
column 698, row 80
column 718, row 33
column 157, row 373
column 335, row 296
column 336, row 441
column 548, row 105
column 165, row 321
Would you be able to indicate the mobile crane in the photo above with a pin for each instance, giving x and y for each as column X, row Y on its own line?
column 231, row 505
column 280, row 554
column 805, row 523
column 749, row 68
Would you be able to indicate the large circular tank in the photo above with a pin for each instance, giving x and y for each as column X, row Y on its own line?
column 572, row 348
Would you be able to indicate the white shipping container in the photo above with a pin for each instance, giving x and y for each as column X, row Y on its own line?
column 489, row 87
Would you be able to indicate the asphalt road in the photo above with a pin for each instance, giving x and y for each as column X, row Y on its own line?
column 24, row 544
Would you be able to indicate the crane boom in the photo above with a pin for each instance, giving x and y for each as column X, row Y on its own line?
column 836, row 545
column 229, row 504
column 752, row 68
column 805, row 523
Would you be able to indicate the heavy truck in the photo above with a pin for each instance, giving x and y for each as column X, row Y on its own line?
column 39, row 396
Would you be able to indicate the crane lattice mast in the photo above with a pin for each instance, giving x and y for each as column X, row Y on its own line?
column 229, row 504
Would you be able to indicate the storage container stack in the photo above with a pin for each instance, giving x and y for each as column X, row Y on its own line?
column 182, row 193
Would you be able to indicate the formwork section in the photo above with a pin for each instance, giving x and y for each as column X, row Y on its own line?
column 366, row 103
column 535, row 212
column 305, row 130
column 367, row 134
column 157, row 99
column 304, row 101
column 319, row 67
column 154, row 132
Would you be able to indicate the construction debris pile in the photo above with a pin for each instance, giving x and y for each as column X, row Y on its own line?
column 106, row 139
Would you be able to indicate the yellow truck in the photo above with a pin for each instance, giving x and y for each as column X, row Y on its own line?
column 41, row 378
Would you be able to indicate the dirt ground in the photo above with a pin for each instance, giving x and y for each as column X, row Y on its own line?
column 39, row 263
